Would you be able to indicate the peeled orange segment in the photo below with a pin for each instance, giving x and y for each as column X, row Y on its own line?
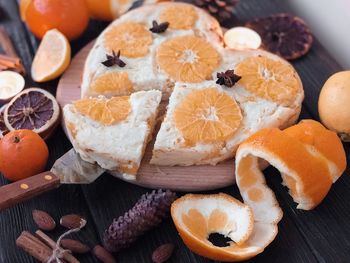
column 104, row 111
column 299, row 154
column 179, row 17
column 269, row 79
column 132, row 39
column 198, row 216
column 52, row 57
column 111, row 83
column 188, row 59
column 207, row 116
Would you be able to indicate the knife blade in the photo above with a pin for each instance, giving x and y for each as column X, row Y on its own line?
column 68, row 169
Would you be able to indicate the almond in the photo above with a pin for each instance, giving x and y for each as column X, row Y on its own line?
column 75, row 246
column 102, row 254
column 163, row 253
column 72, row 221
column 43, row 220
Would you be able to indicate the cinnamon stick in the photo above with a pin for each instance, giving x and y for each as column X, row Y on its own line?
column 34, row 246
column 45, row 238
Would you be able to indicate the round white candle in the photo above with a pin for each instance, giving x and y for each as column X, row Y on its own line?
column 241, row 38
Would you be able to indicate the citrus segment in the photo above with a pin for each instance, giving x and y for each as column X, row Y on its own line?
column 269, row 79
column 112, row 83
column 132, row 39
column 179, row 17
column 188, row 59
column 207, row 116
column 104, row 111
column 52, row 57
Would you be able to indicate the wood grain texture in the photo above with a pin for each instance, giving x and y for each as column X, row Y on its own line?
column 321, row 235
column 192, row 178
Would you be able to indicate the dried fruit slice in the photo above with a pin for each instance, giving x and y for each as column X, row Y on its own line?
column 284, row 35
column 11, row 83
column 33, row 109
column 111, row 84
column 105, row 111
column 188, row 59
column 52, row 57
column 132, row 39
column 207, row 116
column 269, row 79
column 179, row 16
column 198, row 216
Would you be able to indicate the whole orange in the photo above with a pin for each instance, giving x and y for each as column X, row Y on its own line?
column 23, row 153
column 69, row 17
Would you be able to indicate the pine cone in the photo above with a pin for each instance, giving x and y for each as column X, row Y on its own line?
column 221, row 9
column 147, row 213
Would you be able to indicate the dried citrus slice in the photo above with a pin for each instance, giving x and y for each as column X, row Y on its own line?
column 269, row 79
column 207, row 116
column 33, row 109
column 179, row 16
column 198, row 216
column 188, row 59
column 105, row 111
column 132, row 39
column 111, row 83
column 52, row 57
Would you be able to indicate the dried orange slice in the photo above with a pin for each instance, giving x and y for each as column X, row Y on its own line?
column 179, row 16
column 132, row 39
column 105, row 111
column 111, row 83
column 52, row 57
column 198, row 216
column 269, row 79
column 207, row 116
column 188, row 59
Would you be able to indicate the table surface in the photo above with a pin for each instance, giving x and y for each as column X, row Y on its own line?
column 320, row 235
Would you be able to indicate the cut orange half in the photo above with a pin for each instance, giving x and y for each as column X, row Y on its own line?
column 52, row 57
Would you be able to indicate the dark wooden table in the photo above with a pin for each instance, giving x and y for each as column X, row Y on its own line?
column 321, row 235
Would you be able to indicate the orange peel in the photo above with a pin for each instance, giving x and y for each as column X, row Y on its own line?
column 310, row 159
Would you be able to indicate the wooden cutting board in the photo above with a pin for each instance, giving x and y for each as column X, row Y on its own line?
column 191, row 178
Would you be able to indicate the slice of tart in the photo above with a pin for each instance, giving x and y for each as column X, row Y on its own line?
column 113, row 132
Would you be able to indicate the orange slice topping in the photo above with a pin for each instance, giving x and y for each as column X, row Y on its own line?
column 188, row 59
column 132, row 39
column 269, row 79
column 111, row 83
column 105, row 111
column 179, row 16
column 207, row 116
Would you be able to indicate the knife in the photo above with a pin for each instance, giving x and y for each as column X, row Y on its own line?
column 69, row 169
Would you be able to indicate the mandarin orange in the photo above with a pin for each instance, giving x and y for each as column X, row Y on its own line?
column 23, row 153
column 69, row 17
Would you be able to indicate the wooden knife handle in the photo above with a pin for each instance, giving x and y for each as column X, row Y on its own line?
column 17, row 192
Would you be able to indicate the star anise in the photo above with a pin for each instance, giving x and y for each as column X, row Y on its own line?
column 114, row 60
column 227, row 78
column 159, row 28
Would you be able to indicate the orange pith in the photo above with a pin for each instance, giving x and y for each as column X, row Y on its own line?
column 188, row 59
column 132, row 39
column 179, row 17
column 269, row 79
column 207, row 116
column 112, row 83
column 105, row 111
